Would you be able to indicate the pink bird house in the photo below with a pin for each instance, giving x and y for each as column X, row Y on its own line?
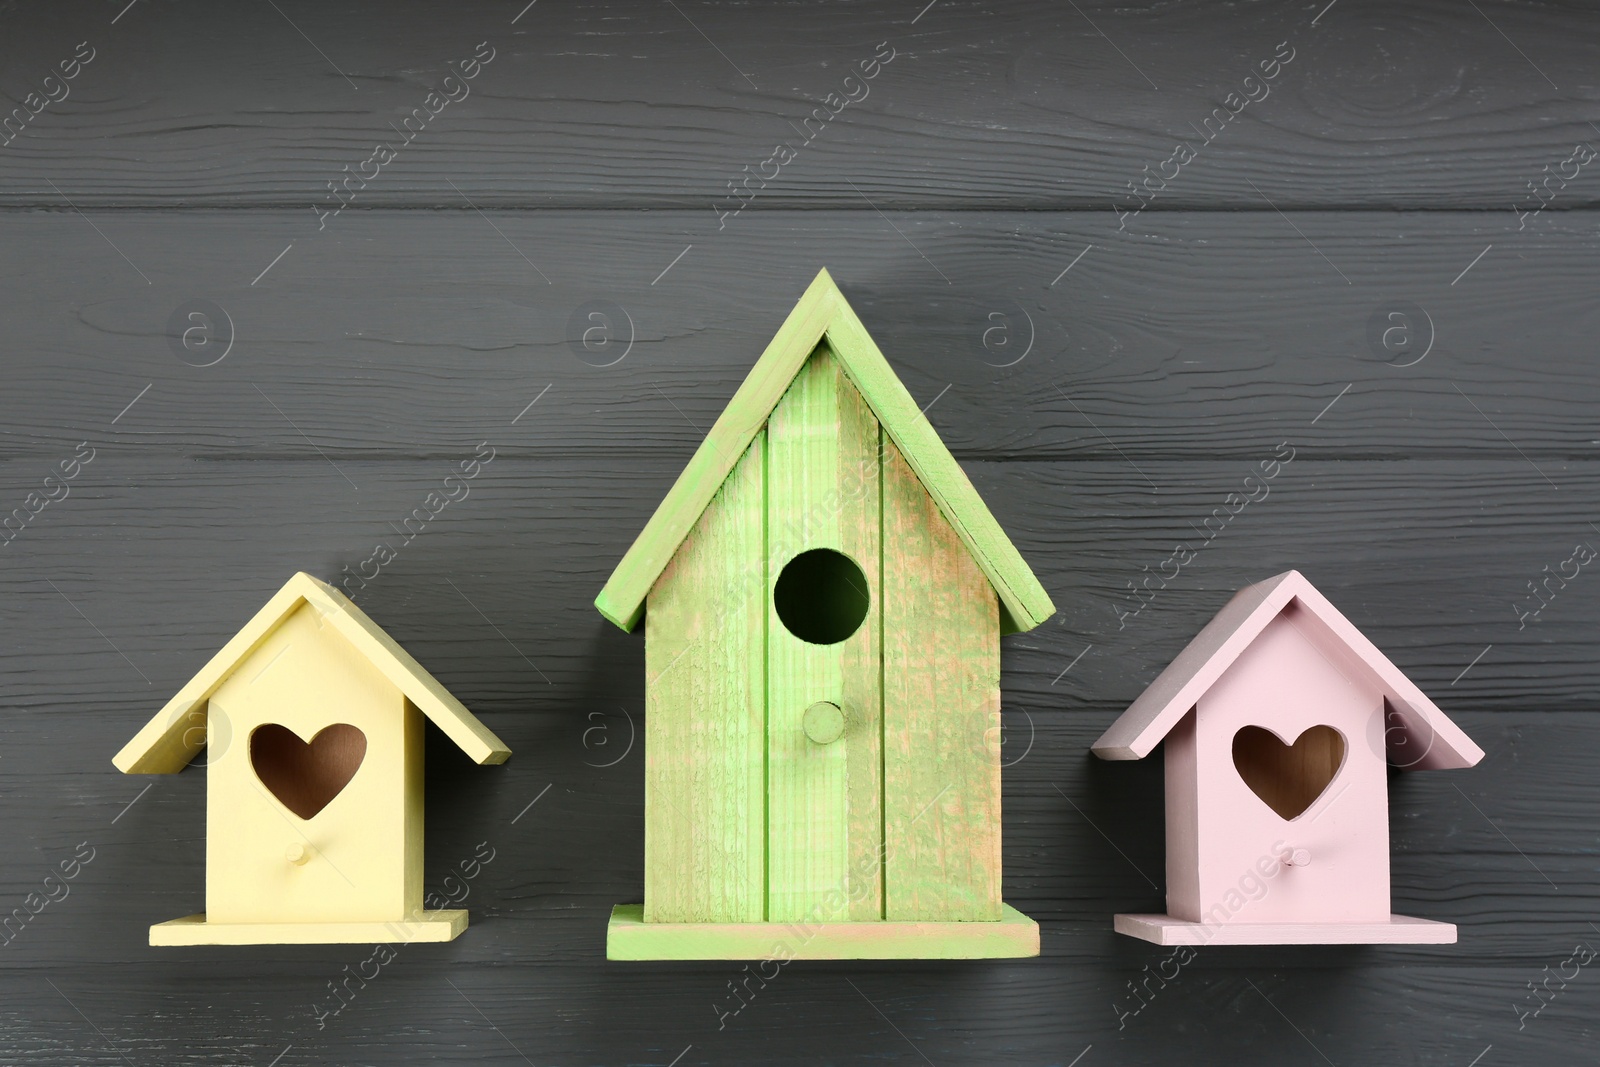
column 1281, row 721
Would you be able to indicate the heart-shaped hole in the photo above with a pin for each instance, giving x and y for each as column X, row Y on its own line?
column 1288, row 778
column 305, row 777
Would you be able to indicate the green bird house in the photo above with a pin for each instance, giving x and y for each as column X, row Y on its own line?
column 823, row 594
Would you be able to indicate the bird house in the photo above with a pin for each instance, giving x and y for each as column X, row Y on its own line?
column 1281, row 723
column 823, row 594
column 312, row 721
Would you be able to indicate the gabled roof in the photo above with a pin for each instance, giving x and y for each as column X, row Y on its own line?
column 823, row 313
column 1419, row 726
column 169, row 741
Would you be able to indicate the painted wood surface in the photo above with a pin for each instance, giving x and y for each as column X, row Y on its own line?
column 200, row 929
column 705, row 726
column 823, row 316
column 743, row 421
column 835, row 488
column 365, row 860
column 941, row 699
column 1023, row 602
column 1290, row 684
column 1029, row 104
column 1396, row 930
column 825, row 803
column 774, row 945
column 310, row 721
column 170, row 740
column 1416, row 734
column 1215, row 334
column 1188, row 345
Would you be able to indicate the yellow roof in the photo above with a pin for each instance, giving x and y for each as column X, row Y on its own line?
column 168, row 742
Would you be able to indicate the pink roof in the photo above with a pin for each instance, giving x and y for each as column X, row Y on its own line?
column 1418, row 724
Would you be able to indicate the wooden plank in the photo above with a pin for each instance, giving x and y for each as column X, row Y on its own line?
column 1211, row 1007
column 1398, row 930
column 941, row 713
column 461, row 358
column 1449, row 862
column 824, row 801
column 629, row 937
column 622, row 104
column 705, row 713
column 427, row 926
column 1430, row 600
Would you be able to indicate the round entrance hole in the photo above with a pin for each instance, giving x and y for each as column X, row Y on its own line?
column 821, row 596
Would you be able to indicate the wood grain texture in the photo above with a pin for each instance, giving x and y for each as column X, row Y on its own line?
column 618, row 104
column 823, row 316
column 629, row 937
column 941, row 701
column 1449, row 861
column 1214, row 334
column 1168, row 359
column 705, row 735
column 825, row 803
column 1094, row 524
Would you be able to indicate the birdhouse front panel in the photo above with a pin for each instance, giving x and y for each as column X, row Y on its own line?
column 824, row 651
column 822, row 663
column 1291, row 797
column 308, row 819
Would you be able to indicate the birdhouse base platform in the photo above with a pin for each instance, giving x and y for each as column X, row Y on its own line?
column 427, row 926
column 629, row 937
column 1399, row 930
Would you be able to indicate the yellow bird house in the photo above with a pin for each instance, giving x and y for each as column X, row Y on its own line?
column 312, row 717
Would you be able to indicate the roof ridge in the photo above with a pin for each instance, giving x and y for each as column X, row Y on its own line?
column 169, row 741
column 823, row 313
column 1235, row 628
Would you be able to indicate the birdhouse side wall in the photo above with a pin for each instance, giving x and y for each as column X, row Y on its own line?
column 413, row 789
column 705, row 709
column 1286, row 683
column 361, row 851
column 941, row 713
column 1183, row 821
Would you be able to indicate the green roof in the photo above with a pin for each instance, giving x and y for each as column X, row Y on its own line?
column 823, row 314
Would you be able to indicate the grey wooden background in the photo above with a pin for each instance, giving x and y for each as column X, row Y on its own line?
column 1104, row 387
